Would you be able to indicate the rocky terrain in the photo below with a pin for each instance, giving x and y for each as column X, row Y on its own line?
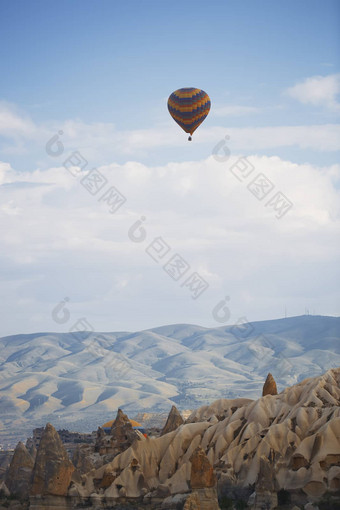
column 75, row 380
column 281, row 446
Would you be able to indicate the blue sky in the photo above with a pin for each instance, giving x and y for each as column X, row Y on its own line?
column 102, row 72
column 117, row 62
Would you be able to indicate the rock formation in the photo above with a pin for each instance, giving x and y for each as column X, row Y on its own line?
column 202, row 473
column 82, row 459
column 122, row 432
column 173, row 422
column 202, row 482
column 31, row 447
column 102, row 441
column 4, row 492
column 120, row 437
column 18, row 476
column 52, row 470
column 193, row 502
column 287, row 441
column 295, row 431
column 5, row 460
column 269, row 387
column 265, row 494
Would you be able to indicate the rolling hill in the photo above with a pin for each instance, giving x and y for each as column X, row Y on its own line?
column 78, row 380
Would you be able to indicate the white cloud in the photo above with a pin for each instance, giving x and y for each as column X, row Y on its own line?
column 59, row 240
column 318, row 90
column 101, row 142
column 234, row 110
column 14, row 124
column 325, row 137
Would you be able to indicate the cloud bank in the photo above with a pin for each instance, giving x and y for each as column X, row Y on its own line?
column 102, row 142
column 61, row 240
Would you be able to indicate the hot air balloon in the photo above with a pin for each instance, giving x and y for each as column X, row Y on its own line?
column 189, row 107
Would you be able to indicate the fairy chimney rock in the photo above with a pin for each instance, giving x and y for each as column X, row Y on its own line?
column 122, row 430
column 269, row 387
column 53, row 469
column 19, row 473
column 173, row 422
column 202, row 473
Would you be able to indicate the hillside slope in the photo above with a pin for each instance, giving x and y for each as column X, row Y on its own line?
column 77, row 380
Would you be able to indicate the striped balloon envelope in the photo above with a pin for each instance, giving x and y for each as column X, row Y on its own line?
column 189, row 107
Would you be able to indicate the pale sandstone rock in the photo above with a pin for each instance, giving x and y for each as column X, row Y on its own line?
column 173, row 422
column 18, row 476
column 121, row 436
column 295, row 433
column 4, row 489
column 269, row 387
column 82, row 459
column 52, row 470
column 202, row 473
column 192, row 503
column 202, row 499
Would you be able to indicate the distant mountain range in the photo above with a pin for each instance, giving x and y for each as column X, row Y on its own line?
column 79, row 380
